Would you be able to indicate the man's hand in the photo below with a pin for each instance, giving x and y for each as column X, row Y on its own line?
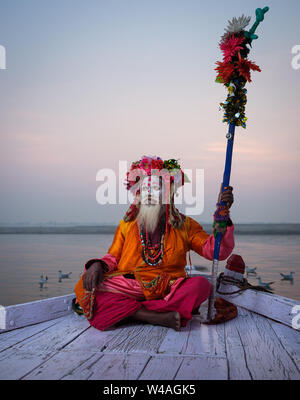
column 218, row 228
column 93, row 276
column 226, row 196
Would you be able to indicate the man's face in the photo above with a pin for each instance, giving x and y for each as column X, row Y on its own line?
column 150, row 191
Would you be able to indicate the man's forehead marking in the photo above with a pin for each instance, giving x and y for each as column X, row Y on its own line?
column 154, row 179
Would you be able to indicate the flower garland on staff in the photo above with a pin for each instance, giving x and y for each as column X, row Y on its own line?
column 235, row 69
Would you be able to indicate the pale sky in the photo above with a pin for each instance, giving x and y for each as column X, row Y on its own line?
column 89, row 83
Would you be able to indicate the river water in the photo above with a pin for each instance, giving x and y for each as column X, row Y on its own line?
column 24, row 257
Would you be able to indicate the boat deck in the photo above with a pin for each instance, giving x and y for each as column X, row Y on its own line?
column 250, row 347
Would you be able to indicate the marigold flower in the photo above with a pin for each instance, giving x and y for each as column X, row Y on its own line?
column 245, row 66
column 225, row 70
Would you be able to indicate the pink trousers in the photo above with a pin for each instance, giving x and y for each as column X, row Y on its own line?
column 111, row 308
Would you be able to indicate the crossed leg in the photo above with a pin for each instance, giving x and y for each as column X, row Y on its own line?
column 114, row 309
column 179, row 309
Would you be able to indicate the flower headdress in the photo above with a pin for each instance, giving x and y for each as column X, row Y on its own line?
column 170, row 171
column 153, row 165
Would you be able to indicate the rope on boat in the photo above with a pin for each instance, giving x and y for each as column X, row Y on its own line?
column 242, row 285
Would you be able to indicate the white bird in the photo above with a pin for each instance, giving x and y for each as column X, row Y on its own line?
column 287, row 277
column 264, row 284
column 250, row 270
column 63, row 276
column 43, row 280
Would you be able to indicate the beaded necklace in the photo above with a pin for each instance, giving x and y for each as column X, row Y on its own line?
column 152, row 255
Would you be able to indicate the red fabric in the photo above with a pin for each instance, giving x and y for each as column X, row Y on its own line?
column 111, row 308
column 236, row 263
column 225, row 311
column 188, row 297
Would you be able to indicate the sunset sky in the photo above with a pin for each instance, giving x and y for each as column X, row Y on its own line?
column 89, row 83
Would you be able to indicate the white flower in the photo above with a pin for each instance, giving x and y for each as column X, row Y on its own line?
column 237, row 24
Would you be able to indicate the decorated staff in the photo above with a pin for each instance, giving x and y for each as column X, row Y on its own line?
column 233, row 72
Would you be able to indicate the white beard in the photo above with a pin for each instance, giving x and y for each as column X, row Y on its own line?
column 149, row 216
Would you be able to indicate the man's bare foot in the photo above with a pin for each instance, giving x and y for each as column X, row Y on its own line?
column 169, row 319
column 172, row 319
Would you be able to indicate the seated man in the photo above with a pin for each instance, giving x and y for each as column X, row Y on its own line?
column 142, row 277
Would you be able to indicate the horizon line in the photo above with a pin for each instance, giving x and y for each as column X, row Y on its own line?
column 87, row 224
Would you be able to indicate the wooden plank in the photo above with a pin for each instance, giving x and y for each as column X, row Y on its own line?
column 270, row 305
column 161, row 367
column 22, row 358
column 195, row 338
column 92, row 340
column 290, row 340
column 58, row 336
column 137, row 338
column 175, row 342
column 237, row 364
column 10, row 338
column 129, row 338
column 63, row 364
column 202, row 368
column 265, row 356
column 206, row 339
column 111, row 367
column 21, row 315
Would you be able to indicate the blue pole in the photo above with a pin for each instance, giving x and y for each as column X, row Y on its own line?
column 218, row 239
column 226, row 179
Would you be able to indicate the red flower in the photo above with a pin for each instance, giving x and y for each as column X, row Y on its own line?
column 230, row 46
column 135, row 165
column 244, row 66
column 225, row 70
column 145, row 164
column 157, row 164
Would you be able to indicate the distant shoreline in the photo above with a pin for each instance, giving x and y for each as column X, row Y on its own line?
column 240, row 229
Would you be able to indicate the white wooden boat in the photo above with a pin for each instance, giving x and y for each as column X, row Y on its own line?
column 46, row 339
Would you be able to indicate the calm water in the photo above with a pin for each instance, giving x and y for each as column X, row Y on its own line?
column 24, row 257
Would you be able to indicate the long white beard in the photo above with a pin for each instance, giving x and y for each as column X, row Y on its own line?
column 149, row 216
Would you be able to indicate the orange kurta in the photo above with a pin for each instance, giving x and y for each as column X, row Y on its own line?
column 127, row 249
column 156, row 281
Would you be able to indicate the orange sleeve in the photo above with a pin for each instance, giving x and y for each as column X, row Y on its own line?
column 196, row 236
column 112, row 257
column 117, row 244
